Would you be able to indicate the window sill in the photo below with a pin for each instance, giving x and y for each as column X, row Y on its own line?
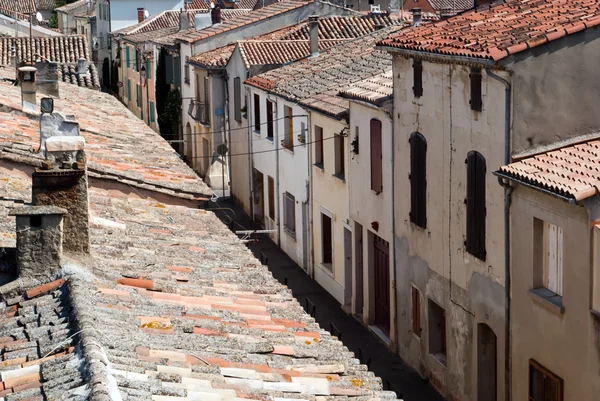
column 547, row 300
column 319, row 165
column 380, row 334
column 341, row 177
column 269, row 138
column 440, row 358
column 256, row 132
column 290, row 233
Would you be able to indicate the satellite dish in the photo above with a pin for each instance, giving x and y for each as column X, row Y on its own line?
column 222, row 149
column 146, row 14
column 39, row 17
column 212, row 5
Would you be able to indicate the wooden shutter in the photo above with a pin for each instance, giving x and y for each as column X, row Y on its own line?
column 290, row 212
column 177, row 71
column 151, row 112
column 318, row 145
column 148, row 70
column 416, row 312
column 341, row 150
column 543, row 384
column 206, row 100
column 237, row 99
column 476, row 101
column 417, row 78
column 476, row 208
column 129, row 90
column 376, row 156
column 269, row 119
column 127, row 57
column 290, row 138
column 553, row 260
column 271, row 189
column 326, row 238
column 256, row 113
column 418, row 179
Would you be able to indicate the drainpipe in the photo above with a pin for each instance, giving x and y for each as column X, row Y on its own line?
column 507, row 201
column 250, row 103
column 227, row 136
column 277, row 194
column 311, row 253
column 394, row 341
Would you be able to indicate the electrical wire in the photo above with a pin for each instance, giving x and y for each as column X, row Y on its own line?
column 244, row 127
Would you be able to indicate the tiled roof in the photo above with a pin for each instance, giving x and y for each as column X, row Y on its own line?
column 316, row 82
column 261, row 14
column 198, row 5
column 501, row 29
column 332, row 30
column 572, row 171
column 246, row 4
column 68, row 73
column 373, row 89
column 71, row 6
column 61, row 49
column 119, row 145
column 170, row 19
column 45, row 5
column 455, row 5
column 178, row 308
column 17, row 8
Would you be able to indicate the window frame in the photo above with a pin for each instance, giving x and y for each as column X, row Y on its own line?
column 289, row 221
column 327, row 243
column 237, row 99
column 417, row 78
column 476, row 205
column 339, row 156
column 476, row 99
column 417, row 328
column 418, row 179
column 547, row 374
column 319, row 147
column 271, row 196
column 376, row 150
column 256, row 104
column 271, row 107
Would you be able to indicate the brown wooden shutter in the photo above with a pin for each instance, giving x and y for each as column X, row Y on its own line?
column 271, row 189
column 476, row 101
column 269, row 119
column 418, row 179
column 257, row 112
column 290, row 138
column 376, row 156
column 326, row 238
column 237, row 99
column 417, row 78
column 476, row 205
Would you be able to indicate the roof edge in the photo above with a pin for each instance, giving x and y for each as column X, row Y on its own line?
column 436, row 57
column 567, row 198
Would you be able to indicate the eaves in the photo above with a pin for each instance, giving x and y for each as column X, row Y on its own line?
column 442, row 58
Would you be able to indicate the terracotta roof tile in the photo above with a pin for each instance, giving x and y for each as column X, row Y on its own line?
column 45, row 5
column 500, row 29
column 61, row 49
column 17, row 8
column 372, row 89
column 572, row 171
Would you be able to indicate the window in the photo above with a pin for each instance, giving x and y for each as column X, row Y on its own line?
column 418, row 78
column 543, row 384
column 289, row 208
column 326, row 240
column 129, row 90
column 416, row 311
column 151, row 112
column 177, row 71
column 338, row 143
column 237, row 99
column 127, row 57
column 269, row 120
column 288, row 130
column 186, row 74
column 136, row 61
column 138, row 96
column 476, row 210
column 549, row 260
column 256, row 113
column 148, row 70
column 271, row 189
column 476, row 102
column 319, row 146
column 206, row 118
column 376, row 157
column 437, row 332
column 418, row 180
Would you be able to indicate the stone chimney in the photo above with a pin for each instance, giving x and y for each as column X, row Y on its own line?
column 62, row 179
column 215, row 14
column 141, row 17
column 27, row 79
column 47, row 78
column 417, row 16
column 313, row 30
column 184, row 20
column 39, row 241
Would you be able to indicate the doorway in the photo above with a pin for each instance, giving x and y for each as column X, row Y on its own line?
column 381, row 270
column 486, row 363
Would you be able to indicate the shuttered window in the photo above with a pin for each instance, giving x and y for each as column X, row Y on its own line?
column 138, row 95
column 271, row 189
column 256, row 113
column 340, row 169
column 376, row 156
column 148, row 70
column 289, row 208
column 129, row 90
column 543, row 384
column 237, row 99
column 418, row 179
column 127, row 57
column 476, row 101
column 177, row 71
column 416, row 311
column 206, row 100
column 319, row 146
column 417, row 78
column 553, row 258
column 151, row 112
column 476, row 208
column 269, row 119
column 288, row 140
column 326, row 239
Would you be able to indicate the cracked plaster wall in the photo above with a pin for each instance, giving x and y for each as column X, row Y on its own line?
column 434, row 259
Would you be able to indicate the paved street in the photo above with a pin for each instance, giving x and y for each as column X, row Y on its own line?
column 396, row 375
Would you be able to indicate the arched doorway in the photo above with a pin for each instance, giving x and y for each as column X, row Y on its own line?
column 486, row 363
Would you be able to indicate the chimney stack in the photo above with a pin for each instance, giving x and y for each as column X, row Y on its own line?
column 27, row 79
column 47, row 78
column 313, row 30
column 39, row 241
column 215, row 14
column 184, row 20
column 62, row 179
column 141, row 16
column 417, row 16
column 394, row 6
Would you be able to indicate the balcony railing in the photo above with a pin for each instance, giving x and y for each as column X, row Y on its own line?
column 199, row 111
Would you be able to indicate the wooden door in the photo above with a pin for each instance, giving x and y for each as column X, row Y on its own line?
column 382, row 284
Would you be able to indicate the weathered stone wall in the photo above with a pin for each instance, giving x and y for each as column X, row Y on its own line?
column 39, row 248
column 47, row 78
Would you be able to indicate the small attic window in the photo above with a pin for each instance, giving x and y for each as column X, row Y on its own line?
column 418, row 78
column 35, row 221
column 476, row 101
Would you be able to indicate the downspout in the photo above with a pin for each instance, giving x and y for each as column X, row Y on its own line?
column 507, row 201
column 250, row 103
column 311, row 253
column 392, row 203
column 277, row 195
column 225, row 161
column 228, row 125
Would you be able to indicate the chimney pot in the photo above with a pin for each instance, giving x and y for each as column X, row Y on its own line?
column 417, row 16
column 27, row 78
column 39, row 241
column 313, row 29
column 141, row 16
